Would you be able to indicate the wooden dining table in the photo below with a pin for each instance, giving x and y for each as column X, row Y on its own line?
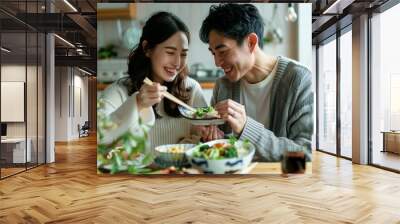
column 253, row 168
column 270, row 168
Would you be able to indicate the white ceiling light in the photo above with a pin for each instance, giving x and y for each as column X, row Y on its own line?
column 5, row 50
column 65, row 41
column 70, row 5
column 79, row 51
column 338, row 6
column 291, row 15
column 84, row 71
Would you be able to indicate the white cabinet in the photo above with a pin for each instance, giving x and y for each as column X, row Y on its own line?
column 16, row 147
column 110, row 70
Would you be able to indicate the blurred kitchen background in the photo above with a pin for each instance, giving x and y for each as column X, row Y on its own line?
column 287, row 33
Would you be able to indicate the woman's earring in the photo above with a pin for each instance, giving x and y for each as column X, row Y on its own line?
column 146, row 51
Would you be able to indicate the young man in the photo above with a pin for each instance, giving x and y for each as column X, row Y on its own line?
column 265, row 99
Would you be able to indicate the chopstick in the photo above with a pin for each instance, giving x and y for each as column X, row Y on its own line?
column 170, row 96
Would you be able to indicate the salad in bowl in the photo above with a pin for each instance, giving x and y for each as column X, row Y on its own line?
column 221, row 156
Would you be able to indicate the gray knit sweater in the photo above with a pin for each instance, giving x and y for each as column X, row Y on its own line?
column 291, row 111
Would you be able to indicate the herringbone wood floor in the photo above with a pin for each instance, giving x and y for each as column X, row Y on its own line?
column 70, row 191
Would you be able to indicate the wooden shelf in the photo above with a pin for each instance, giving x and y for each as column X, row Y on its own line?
column 102, row 86
column 117, row 13
column 207, row 85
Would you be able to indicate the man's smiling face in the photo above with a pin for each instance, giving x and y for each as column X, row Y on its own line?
column 234, row 59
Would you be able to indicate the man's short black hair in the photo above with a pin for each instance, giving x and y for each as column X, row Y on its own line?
column 235, row 21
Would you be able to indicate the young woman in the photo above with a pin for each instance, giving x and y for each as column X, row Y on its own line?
column 161, row 56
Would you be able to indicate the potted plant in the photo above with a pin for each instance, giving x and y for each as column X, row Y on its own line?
column 127, row 153
column 107, row 52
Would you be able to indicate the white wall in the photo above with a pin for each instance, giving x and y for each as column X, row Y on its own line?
column 67, row 115
column 61, row 107
column 17, row 73
column 14, row 73
column 79, row 117
column 193, row 16
column 304, row 35
column 33, row 127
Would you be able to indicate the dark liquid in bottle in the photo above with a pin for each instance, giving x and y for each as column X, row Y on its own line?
column 294, row 162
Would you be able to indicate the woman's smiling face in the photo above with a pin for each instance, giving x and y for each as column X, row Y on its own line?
column 169, row 57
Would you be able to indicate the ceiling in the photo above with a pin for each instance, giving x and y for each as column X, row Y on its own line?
column 330, row 16
column 76, row 24
column 79, row 27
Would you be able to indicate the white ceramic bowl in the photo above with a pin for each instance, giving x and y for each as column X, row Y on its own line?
column 222, row 166
column 166, row 158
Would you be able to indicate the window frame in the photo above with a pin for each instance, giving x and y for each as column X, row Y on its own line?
column 334, row 37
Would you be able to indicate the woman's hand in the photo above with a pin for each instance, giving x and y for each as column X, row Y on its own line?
column 234, row 113
column 209, row 133
column 150, row 95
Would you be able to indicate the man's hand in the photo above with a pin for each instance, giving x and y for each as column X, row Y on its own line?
column 233, row 113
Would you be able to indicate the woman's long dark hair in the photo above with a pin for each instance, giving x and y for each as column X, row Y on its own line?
column 158, row 28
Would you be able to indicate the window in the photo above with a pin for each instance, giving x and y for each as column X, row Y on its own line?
column 327, row 97
column 346, row 95
column 22, row 75
column 385, row 88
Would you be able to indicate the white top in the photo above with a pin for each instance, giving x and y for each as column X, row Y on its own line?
column 122, row 109
column 252, row 94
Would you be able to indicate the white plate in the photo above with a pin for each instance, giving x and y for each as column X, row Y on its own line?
column 199, row 121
